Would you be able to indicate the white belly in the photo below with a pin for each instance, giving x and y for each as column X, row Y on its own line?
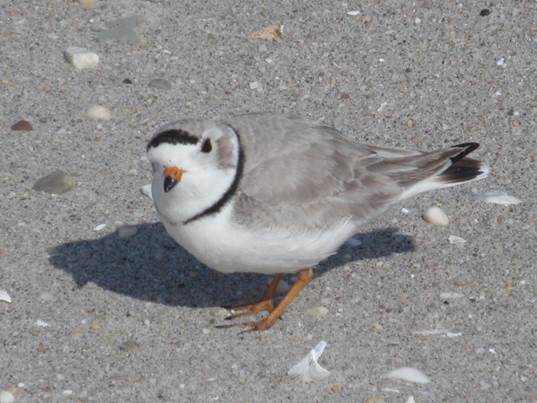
column 228, row 247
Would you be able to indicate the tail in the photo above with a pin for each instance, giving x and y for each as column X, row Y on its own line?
column 422, row 172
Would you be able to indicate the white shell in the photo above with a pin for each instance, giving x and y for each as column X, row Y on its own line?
column 99, row 112
column 99, row 227
column 498, row 198
column 146, row 191
column 5, row 297
column 408, row 374
column 435, row 215
column 308, row 368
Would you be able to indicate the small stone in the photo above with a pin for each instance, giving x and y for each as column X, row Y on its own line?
column 99, row 112
column 42, row 348
column 160, row 83
column 435, row 215
column 500, row 61
column 126, row 231
column 22, row 126
column 405, row 210
column 409, row 124
column 353, row 13
column 130, row 346
column 484, row 12
column 318, row 311
column 127, row 81
column 6, row 397
column 95, row 326
column 255, row 85
column 41, row 323
column 57, row 182
column 456, row 240
column 67, row 392
column 205, row 331
column 81, row 58
column 87, row 4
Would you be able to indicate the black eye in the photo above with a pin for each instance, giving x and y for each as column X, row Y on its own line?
column 206, row 147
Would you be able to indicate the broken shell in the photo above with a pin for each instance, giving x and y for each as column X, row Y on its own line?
column 408, row 374
column 5, row 297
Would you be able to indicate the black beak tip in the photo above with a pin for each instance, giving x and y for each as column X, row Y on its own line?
column 169, row 183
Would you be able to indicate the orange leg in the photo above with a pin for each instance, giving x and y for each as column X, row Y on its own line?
column 266, row 303
column 304, row 278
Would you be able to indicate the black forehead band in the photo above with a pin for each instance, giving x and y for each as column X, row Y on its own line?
column 173, row 136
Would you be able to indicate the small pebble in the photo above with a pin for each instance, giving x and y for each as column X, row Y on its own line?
column 99, row 112
column 67, row 392
column 353, row 13
column 160, row 83
column 99, row 227
column 500, row 61
column 41, row 323
column 22, row 126
column 57, row 182
column 6, row 397
column 5, row 297
column 405, row 210
column 127, row 81
column 484, row 12
column 130, row 346
column 254, row 85
column 409, row 124
column 318, row 311
column 81, row 58
column 410, row 399
column 456, row 240
column 435, row 215
column 126, row 231
column 205, row 331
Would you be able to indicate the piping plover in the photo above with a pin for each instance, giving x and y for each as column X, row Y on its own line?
column 276, row 194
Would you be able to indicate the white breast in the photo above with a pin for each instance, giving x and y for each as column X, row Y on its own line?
column 229, row 247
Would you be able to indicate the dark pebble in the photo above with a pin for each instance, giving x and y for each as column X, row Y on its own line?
column 127, row 81
column 484, row 12
column 22, row 126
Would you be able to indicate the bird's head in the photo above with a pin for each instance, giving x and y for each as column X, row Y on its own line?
column 194, row 164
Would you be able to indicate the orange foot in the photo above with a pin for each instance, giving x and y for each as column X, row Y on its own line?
column 266, row 304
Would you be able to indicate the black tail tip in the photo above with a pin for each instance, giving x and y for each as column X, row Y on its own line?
column 468, row 148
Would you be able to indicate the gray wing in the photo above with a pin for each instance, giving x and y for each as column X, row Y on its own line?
column 301, row 175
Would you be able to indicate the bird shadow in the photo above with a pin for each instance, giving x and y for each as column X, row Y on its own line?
column 150, row 266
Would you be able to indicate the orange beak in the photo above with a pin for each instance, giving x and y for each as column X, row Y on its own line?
column 172, row 176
